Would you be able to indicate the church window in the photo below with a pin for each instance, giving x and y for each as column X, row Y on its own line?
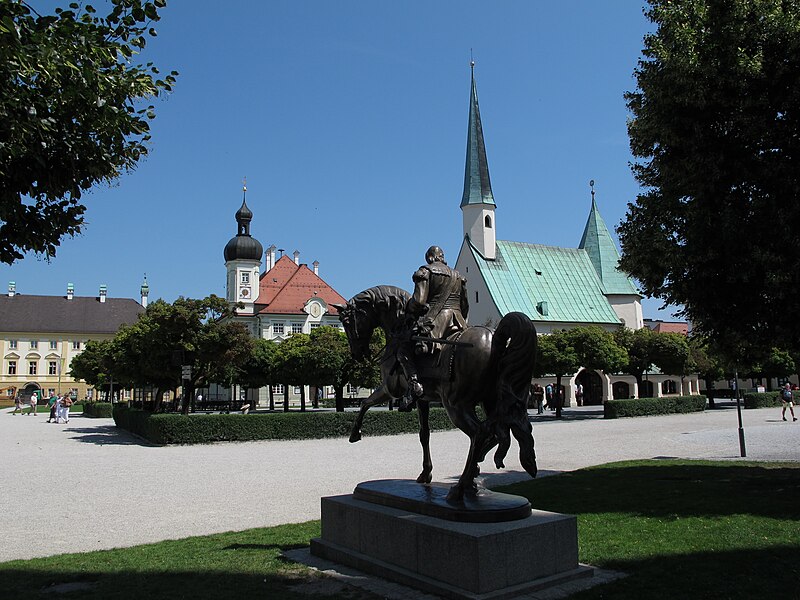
column 12, row 367
column 487, row 222
column 297, row 328
column 32, row 367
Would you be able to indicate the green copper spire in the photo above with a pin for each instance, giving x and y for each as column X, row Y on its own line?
column 477, row 187
column 603, row 254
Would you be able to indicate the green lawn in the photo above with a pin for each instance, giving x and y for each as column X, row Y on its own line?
column 680, row 529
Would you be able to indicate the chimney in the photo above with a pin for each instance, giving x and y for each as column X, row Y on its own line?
column 296, row 255
column 271, row 256
column 145, row 291
column 12, row 289
column 70, row 291
column 315, row 264
column 103, row 292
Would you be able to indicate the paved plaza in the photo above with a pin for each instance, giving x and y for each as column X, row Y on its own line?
column 87, row 485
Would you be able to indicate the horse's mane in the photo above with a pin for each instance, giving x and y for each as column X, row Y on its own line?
column 387, row 299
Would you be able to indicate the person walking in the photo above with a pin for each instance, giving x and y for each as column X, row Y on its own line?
column 17, row 404
column 34, row 402
column 548, row 396
column 66, row 403
column 788, row 400
column 51, row 404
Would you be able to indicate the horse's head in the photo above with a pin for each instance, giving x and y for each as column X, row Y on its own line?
column 358, row 325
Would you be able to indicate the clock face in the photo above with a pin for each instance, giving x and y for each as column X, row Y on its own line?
column 315, row 310
column 244, row 292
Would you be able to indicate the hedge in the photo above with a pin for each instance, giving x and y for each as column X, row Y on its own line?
column 201, row 429
column 638, row 407
column 97, row 409
column 765, row 399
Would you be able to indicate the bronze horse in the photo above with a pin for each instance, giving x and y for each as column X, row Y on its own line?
column 493, row 369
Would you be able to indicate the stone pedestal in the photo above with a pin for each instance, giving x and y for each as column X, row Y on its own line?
column 449, row 558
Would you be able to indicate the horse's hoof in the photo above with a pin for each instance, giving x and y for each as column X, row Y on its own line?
column 356, row 437
column 499, row 464
column 424, row 477
column 455, row 495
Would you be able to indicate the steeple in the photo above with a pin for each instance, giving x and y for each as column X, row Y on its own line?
column 602, row 251
column 477, row 186
column 477, row 201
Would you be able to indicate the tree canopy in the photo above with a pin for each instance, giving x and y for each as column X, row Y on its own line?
column 715, row 129
column 72, row 113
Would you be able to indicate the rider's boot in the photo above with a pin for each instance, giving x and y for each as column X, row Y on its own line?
column 416, row 391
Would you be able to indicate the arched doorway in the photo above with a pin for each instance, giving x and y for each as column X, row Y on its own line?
column 592, row 387
column 29, row 390
column 620, row 390
column 646, row 389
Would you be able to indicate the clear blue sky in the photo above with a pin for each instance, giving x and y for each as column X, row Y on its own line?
column 349, row 121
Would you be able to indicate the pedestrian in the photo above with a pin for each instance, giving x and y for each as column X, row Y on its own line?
column 34, row 402
column 548, row 396
column 17, row 404
column 788, row 400
column 579, row 394
column 538, row 398
column 59, row 407
column 51, row 404
column 65, row 406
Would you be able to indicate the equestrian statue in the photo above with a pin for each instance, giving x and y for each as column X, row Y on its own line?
column 432, row 355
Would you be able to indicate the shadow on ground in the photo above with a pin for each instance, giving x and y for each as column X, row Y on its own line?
column 105, row 435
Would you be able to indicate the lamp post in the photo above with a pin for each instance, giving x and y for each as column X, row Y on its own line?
column 742, row 449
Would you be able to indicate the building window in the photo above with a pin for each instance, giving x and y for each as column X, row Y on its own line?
column 476, row 296
column 669, row 387
column 314, row 326
column 352, row 390
column 12, row 344
column 34, row 344
column 51, row 392
column 32, row 367
column 296, row 390
column 297, row 328
column 277, row 388
column 277, row 328
column 487, row 222
column 53, row 345
column 245, row 277
column 10, row 392
column 12, row 367
column 52, row 368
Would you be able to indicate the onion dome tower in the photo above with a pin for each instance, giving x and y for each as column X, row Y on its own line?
column 243, row 261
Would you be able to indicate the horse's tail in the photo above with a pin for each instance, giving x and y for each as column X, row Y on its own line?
column 512, row 360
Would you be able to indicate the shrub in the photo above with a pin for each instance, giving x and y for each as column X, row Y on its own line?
column 638, row 407
column 97, row 409
column 201, row 429
column 765, row 399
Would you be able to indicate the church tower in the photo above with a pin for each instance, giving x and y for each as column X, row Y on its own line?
column 243, row 262
column 477, row 202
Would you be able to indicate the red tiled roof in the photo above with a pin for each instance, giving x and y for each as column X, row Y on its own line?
column 672, row 328
column 286, row 288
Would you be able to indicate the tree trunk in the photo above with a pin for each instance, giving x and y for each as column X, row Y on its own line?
column 157, row 400
column 315, row 400
column 271, row 398
column 302, row 398
column 710, row 392
column 285, row 397
column 339, row 390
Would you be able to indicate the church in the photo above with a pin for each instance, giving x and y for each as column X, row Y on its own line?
column 558, row 288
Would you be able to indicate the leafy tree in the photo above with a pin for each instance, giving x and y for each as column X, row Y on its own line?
column 775, row 363
column 257, row 370
column 195, row 332
column 291, row 365
column 555, row 355
column 707, row 363
column 715, row 129
column 71, row 113
column 94, row 364
column 645, row 347
column 597, row 349
column 329, row 361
